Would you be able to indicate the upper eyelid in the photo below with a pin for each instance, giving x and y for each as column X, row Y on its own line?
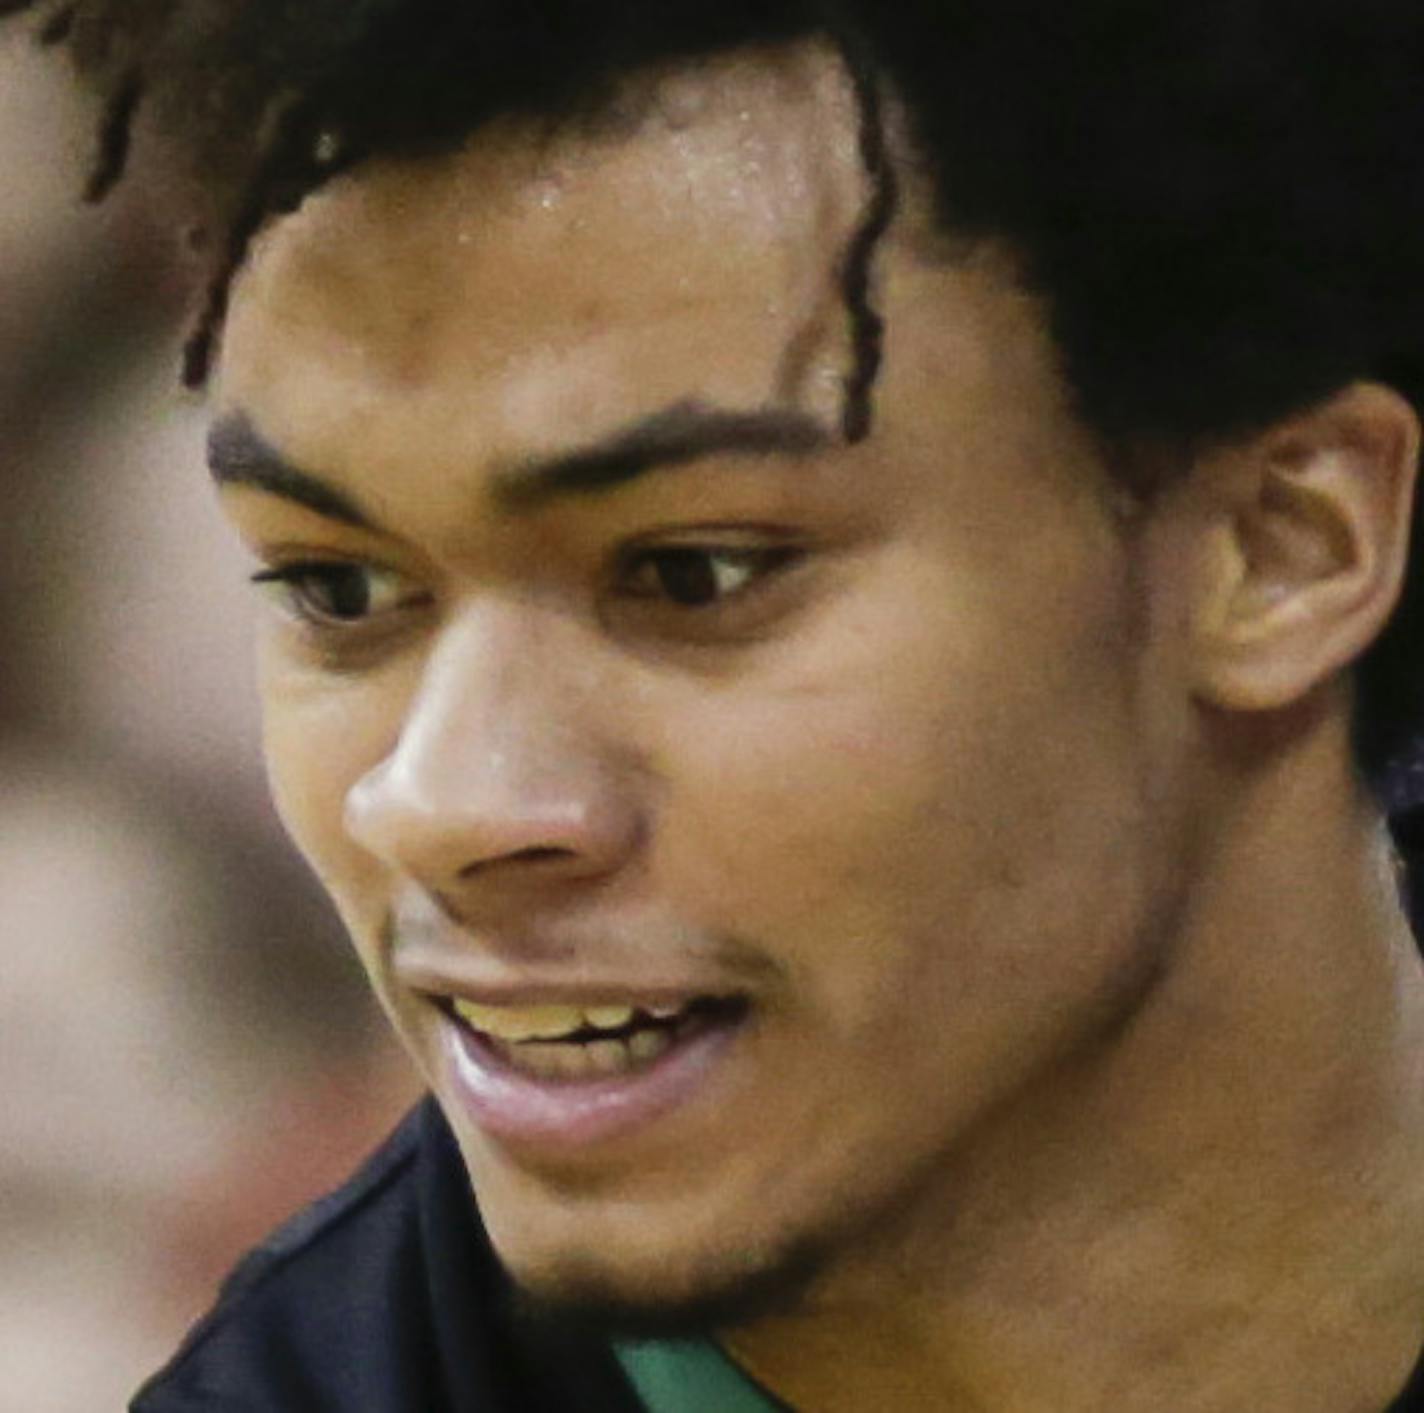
column 295, row 558
column 276, row 568
column 734, row 534
column 633, row 555
column 712, row 540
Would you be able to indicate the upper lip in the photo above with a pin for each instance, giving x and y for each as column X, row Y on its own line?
column 444, row 982
column 430, row 955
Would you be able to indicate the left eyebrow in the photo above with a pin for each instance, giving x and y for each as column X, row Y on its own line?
column 238, row 455
column 678, row 435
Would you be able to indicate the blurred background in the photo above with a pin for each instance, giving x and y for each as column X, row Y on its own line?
column 187, row 1050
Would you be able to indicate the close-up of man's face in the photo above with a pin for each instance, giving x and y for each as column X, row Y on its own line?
column 733, row 819
column 837, row 593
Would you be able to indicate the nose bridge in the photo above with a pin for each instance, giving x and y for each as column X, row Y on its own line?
column 496, row 760
column 484, row 700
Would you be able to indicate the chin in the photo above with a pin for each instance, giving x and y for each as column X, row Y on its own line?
column 732, row 1290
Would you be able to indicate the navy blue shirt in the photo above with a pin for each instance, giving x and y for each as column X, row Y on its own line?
column 383, row 1298
column 386, row 1297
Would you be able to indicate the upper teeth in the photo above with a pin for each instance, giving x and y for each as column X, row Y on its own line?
column 516, row 1023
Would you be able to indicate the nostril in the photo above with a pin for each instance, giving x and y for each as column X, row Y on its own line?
column 544, row 854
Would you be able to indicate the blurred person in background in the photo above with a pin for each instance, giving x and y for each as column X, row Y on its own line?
column 841, row 609
column 173, row 1002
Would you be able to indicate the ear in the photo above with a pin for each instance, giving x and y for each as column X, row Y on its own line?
column 1308, row 538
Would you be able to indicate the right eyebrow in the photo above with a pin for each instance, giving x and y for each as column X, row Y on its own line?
column 238, row 455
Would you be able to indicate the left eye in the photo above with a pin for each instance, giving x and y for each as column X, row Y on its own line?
column 699, row 577
column 336, row 593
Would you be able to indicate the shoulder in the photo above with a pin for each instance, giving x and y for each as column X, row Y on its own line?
column 323, row 1313
column 385, row 1297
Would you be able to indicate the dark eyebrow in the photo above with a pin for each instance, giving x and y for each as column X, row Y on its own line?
column 683, row 433
column 238, row 455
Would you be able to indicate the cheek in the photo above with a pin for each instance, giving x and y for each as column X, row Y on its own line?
column 321, row 735
column 908, row 804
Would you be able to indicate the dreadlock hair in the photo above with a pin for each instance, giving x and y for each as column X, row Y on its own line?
column 303, row 152
column 291, row 168
column 1218, row 204
column 867, row 325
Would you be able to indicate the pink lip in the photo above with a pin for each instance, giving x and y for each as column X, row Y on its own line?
column 569, row 1114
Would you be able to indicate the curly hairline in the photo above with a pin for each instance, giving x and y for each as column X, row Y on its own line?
column 304, row 153
column 1234, row 339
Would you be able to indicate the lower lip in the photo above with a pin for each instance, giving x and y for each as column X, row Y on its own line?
column 518, row 1108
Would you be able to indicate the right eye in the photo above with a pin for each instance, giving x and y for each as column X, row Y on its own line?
column 336, row 594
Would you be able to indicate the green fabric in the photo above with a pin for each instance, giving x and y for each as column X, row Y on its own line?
column 690, row 1376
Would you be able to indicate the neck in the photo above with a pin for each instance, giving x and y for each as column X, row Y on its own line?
column 1219, row 1208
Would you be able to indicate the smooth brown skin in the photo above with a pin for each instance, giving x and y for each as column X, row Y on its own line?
column 1087, row 1031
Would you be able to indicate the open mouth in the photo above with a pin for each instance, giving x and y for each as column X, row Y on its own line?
column 572, row 1043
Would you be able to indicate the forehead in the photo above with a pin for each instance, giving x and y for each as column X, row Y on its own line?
column 529, row 274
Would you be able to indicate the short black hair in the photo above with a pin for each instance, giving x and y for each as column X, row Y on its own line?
column 1220, row 203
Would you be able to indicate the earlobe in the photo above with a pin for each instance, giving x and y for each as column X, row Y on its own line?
column 1308, row 535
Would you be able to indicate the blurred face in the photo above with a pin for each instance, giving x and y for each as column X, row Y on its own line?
column 728, row 818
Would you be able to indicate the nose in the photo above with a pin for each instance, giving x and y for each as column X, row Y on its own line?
column 498, row 778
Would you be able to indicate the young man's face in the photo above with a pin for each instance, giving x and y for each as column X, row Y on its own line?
column 852, row 739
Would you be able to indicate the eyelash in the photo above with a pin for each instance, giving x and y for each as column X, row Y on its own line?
column 294, row 584
column 682, row 578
